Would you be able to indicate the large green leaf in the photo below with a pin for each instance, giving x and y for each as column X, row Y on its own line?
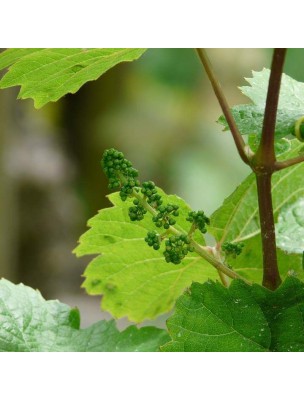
column 30, row 323
column 249, row 117
column 238, row 218
column 48, row 74
column 134, row 279
column 210, row 317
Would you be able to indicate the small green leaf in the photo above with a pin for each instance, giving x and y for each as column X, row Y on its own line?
column 211, row 317
column 48, row 74
column 134, row 279
column 30, row 323
column 249, row 117
column 290, row 228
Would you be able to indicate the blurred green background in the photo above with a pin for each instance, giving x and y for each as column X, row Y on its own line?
column 159, row 110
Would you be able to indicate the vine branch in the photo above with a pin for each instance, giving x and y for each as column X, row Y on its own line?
column 263, row 162
column 265, row 155
column 278, row 165
column 238, row 139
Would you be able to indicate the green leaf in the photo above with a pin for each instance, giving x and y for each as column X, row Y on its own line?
column 280, row 146
column 210, row 317
column 238, row 219
column 135, row 279
column 30, row 323
column 290, row 228
column 48, row 74
column 284, row 311
column 249, row 117
column 249, row 263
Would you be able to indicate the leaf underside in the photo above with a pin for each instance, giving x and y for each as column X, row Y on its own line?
column 48, row 74
column 28, row 323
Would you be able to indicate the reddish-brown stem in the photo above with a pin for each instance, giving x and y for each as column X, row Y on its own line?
column 288, row 163
column 238, row 139
column 265, row 155
column 264, row 163
column 271, row 275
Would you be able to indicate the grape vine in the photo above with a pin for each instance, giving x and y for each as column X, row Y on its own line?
column 147, row 200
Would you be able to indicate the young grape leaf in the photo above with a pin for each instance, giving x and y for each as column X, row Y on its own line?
column 29, row 323
column 135, row 279
column 238, row 218
column 290, row 228
column 211, row 317
column 249, row 117
column 48, row 74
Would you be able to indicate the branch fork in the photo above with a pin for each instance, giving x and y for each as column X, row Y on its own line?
column 263, row 163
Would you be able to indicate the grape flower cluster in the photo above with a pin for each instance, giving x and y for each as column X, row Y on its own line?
column 177, row 247
column 122, row 175
column 199, row 220
column 164, row 216
column 119, row 171
column 232, row 249
column 149, row 191
column 153, row 239
column 137, row 212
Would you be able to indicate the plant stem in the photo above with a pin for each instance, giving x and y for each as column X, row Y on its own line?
column 217, row 254
column 288, row 163
column 224, row 279
column 265, row 155
column 238, row 139
column 203, row 251
column 263, row 164
column 271, row 276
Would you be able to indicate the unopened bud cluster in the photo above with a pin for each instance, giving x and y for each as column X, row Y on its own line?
column 119, row 170
column 199, row 220
column 232, row 249
column 177, row 247
column 122, row 175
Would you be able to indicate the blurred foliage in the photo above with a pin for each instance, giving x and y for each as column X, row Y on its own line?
column 294, row 65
